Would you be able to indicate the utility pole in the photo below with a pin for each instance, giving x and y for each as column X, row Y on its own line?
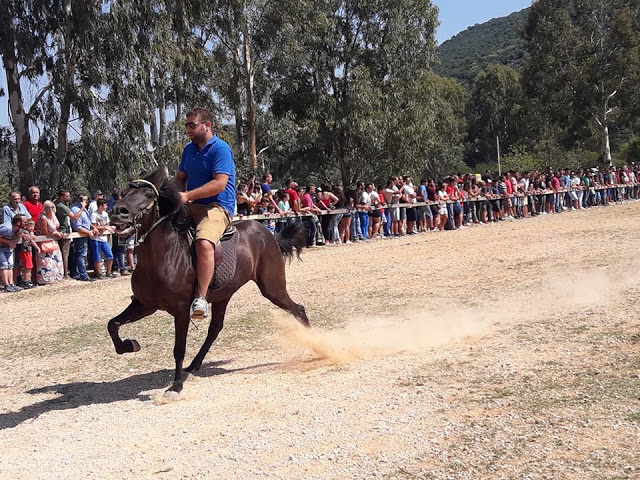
column 498, row 145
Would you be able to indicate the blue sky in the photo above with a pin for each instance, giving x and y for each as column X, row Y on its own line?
column 455, row 16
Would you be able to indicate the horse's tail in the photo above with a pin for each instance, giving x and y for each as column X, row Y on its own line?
column 292, row 240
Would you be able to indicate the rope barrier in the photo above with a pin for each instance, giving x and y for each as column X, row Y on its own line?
column 275, row 216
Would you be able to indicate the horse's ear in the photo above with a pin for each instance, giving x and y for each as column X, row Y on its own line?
column 158, row 177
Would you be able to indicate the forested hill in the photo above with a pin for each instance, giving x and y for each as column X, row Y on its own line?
column 496, row 41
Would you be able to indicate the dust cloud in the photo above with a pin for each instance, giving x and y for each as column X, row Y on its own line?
column 374, row 337
column 363, row 338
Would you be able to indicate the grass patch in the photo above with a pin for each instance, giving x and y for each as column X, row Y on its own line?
column 65, row 340
column 634, row 417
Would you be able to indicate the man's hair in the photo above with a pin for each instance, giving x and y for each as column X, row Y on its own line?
column 288, row 182
column 18, row 218
column 100, row 202
column 14, row 193
column 264, row 177
column 62, row 191
column 203, row 114
column 80, row 195
column 33, row 188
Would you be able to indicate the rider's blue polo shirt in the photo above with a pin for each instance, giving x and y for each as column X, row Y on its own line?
column 201, row 166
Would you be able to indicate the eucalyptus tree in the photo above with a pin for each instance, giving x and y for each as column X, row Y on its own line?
column 583, row 63
column 243, row 35
column 24, row 28
column 496, row 109
column 344, row 70
column 49, row 45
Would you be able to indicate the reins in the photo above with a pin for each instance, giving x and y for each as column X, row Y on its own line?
column 139, row 239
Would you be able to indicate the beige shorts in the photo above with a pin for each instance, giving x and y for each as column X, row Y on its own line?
column 211, row 221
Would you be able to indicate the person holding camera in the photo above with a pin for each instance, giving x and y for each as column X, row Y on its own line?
column 80, row 245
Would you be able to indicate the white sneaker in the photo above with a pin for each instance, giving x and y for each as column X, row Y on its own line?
column 199, row 308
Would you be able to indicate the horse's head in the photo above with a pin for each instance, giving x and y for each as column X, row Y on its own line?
column 154, row 192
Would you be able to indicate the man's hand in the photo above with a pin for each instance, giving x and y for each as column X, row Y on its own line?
column 184, row 197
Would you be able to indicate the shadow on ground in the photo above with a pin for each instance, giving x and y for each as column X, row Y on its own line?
column 78, row 394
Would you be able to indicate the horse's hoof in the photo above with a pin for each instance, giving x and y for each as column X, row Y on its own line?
column 171, row 395
column 192, row 369
column 132, row 345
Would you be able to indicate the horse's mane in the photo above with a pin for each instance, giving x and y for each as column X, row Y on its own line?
column 169, row 201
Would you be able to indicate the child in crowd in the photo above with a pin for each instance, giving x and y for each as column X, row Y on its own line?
column 267, row 208
column 283, row 205
column 23, row 251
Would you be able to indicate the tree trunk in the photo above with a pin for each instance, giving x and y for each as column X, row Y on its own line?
column 178, row 104
column 61, row 149
column 606, row 146
column 237, row 109
column 153, row 124
column 19, row 118
column 345, row 172
column 65, row 101
column 251, row 116
column 162, row 114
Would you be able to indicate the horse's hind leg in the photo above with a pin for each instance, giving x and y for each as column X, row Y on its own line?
column 274, row 288
column 218, row 310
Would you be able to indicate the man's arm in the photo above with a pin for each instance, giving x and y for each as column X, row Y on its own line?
column 76, row 216
column 10, row 242
column 209, row 189
column 181, row 181
column 295, row 206
column 275, row 204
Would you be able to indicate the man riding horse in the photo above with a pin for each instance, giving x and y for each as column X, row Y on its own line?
column 206, row 180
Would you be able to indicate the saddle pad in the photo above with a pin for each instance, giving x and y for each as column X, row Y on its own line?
column 227, row 268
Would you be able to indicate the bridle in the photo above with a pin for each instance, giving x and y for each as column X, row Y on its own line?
column 139, row 239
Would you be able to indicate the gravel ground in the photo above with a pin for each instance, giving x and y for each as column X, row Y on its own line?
column 505, row 351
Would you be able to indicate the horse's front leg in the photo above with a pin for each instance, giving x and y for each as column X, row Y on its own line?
column 179, row 347
column 135, row 311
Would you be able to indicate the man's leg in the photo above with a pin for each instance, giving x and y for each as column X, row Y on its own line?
column 108, row 257
column 209, row 231
column 80, row 246
column 206, row 265
column 65, row 246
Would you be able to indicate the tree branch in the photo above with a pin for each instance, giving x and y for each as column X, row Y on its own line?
column 38, row 98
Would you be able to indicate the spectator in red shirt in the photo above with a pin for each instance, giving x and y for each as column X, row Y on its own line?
column 294, row 198
column 33, row 204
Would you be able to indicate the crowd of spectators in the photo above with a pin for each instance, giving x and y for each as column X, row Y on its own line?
column 333, row 216
column 401, row 207
column 25, row 263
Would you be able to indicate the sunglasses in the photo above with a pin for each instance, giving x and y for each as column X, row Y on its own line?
column 192, row 125
column 49, row 208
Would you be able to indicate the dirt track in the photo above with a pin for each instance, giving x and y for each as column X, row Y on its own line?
column 506, row 351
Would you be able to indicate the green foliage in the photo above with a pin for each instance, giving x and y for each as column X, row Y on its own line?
column 342, row 89
column 499, row 40
column 346, row 74
column 583, row 54
column 497, row 108
column 630, row 151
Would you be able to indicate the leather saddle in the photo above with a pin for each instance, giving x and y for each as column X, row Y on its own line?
column 224, row 256
column 219, row 248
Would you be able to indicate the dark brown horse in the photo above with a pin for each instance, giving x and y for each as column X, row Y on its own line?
column 165, row 278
